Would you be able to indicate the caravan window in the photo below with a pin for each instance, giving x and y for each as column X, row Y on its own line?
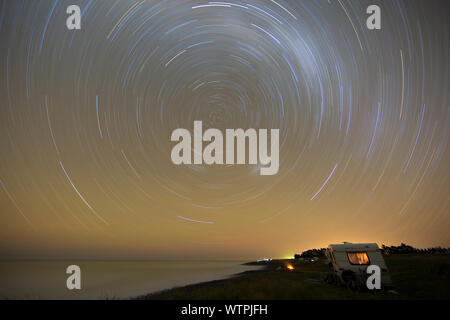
column 358, row 257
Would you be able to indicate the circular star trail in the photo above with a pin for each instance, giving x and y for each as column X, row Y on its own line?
column 86, row 117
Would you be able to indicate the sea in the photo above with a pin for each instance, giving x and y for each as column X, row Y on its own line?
column 45, row 280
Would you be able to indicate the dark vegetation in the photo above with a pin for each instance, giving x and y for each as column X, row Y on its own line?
column 385, row 250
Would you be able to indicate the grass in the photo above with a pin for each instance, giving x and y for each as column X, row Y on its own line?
column 413, row 276
column 421, row 276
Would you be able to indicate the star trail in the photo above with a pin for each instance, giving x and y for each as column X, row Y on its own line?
column 86, row 117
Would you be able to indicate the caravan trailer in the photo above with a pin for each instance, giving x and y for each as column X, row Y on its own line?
column 349, row 261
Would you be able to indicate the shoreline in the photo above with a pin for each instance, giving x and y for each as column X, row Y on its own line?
column 264, row 267
column 414, row 276
column 157, row 295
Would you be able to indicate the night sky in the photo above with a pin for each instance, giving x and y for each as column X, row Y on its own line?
column 86, row 118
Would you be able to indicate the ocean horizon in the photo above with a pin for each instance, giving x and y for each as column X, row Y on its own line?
column 108, row 279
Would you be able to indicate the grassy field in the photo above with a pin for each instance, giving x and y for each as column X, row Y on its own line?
column 413, row 276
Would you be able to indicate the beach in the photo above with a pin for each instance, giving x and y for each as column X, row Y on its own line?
column 414, row 276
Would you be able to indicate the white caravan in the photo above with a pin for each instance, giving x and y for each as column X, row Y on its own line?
column 349, row 262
